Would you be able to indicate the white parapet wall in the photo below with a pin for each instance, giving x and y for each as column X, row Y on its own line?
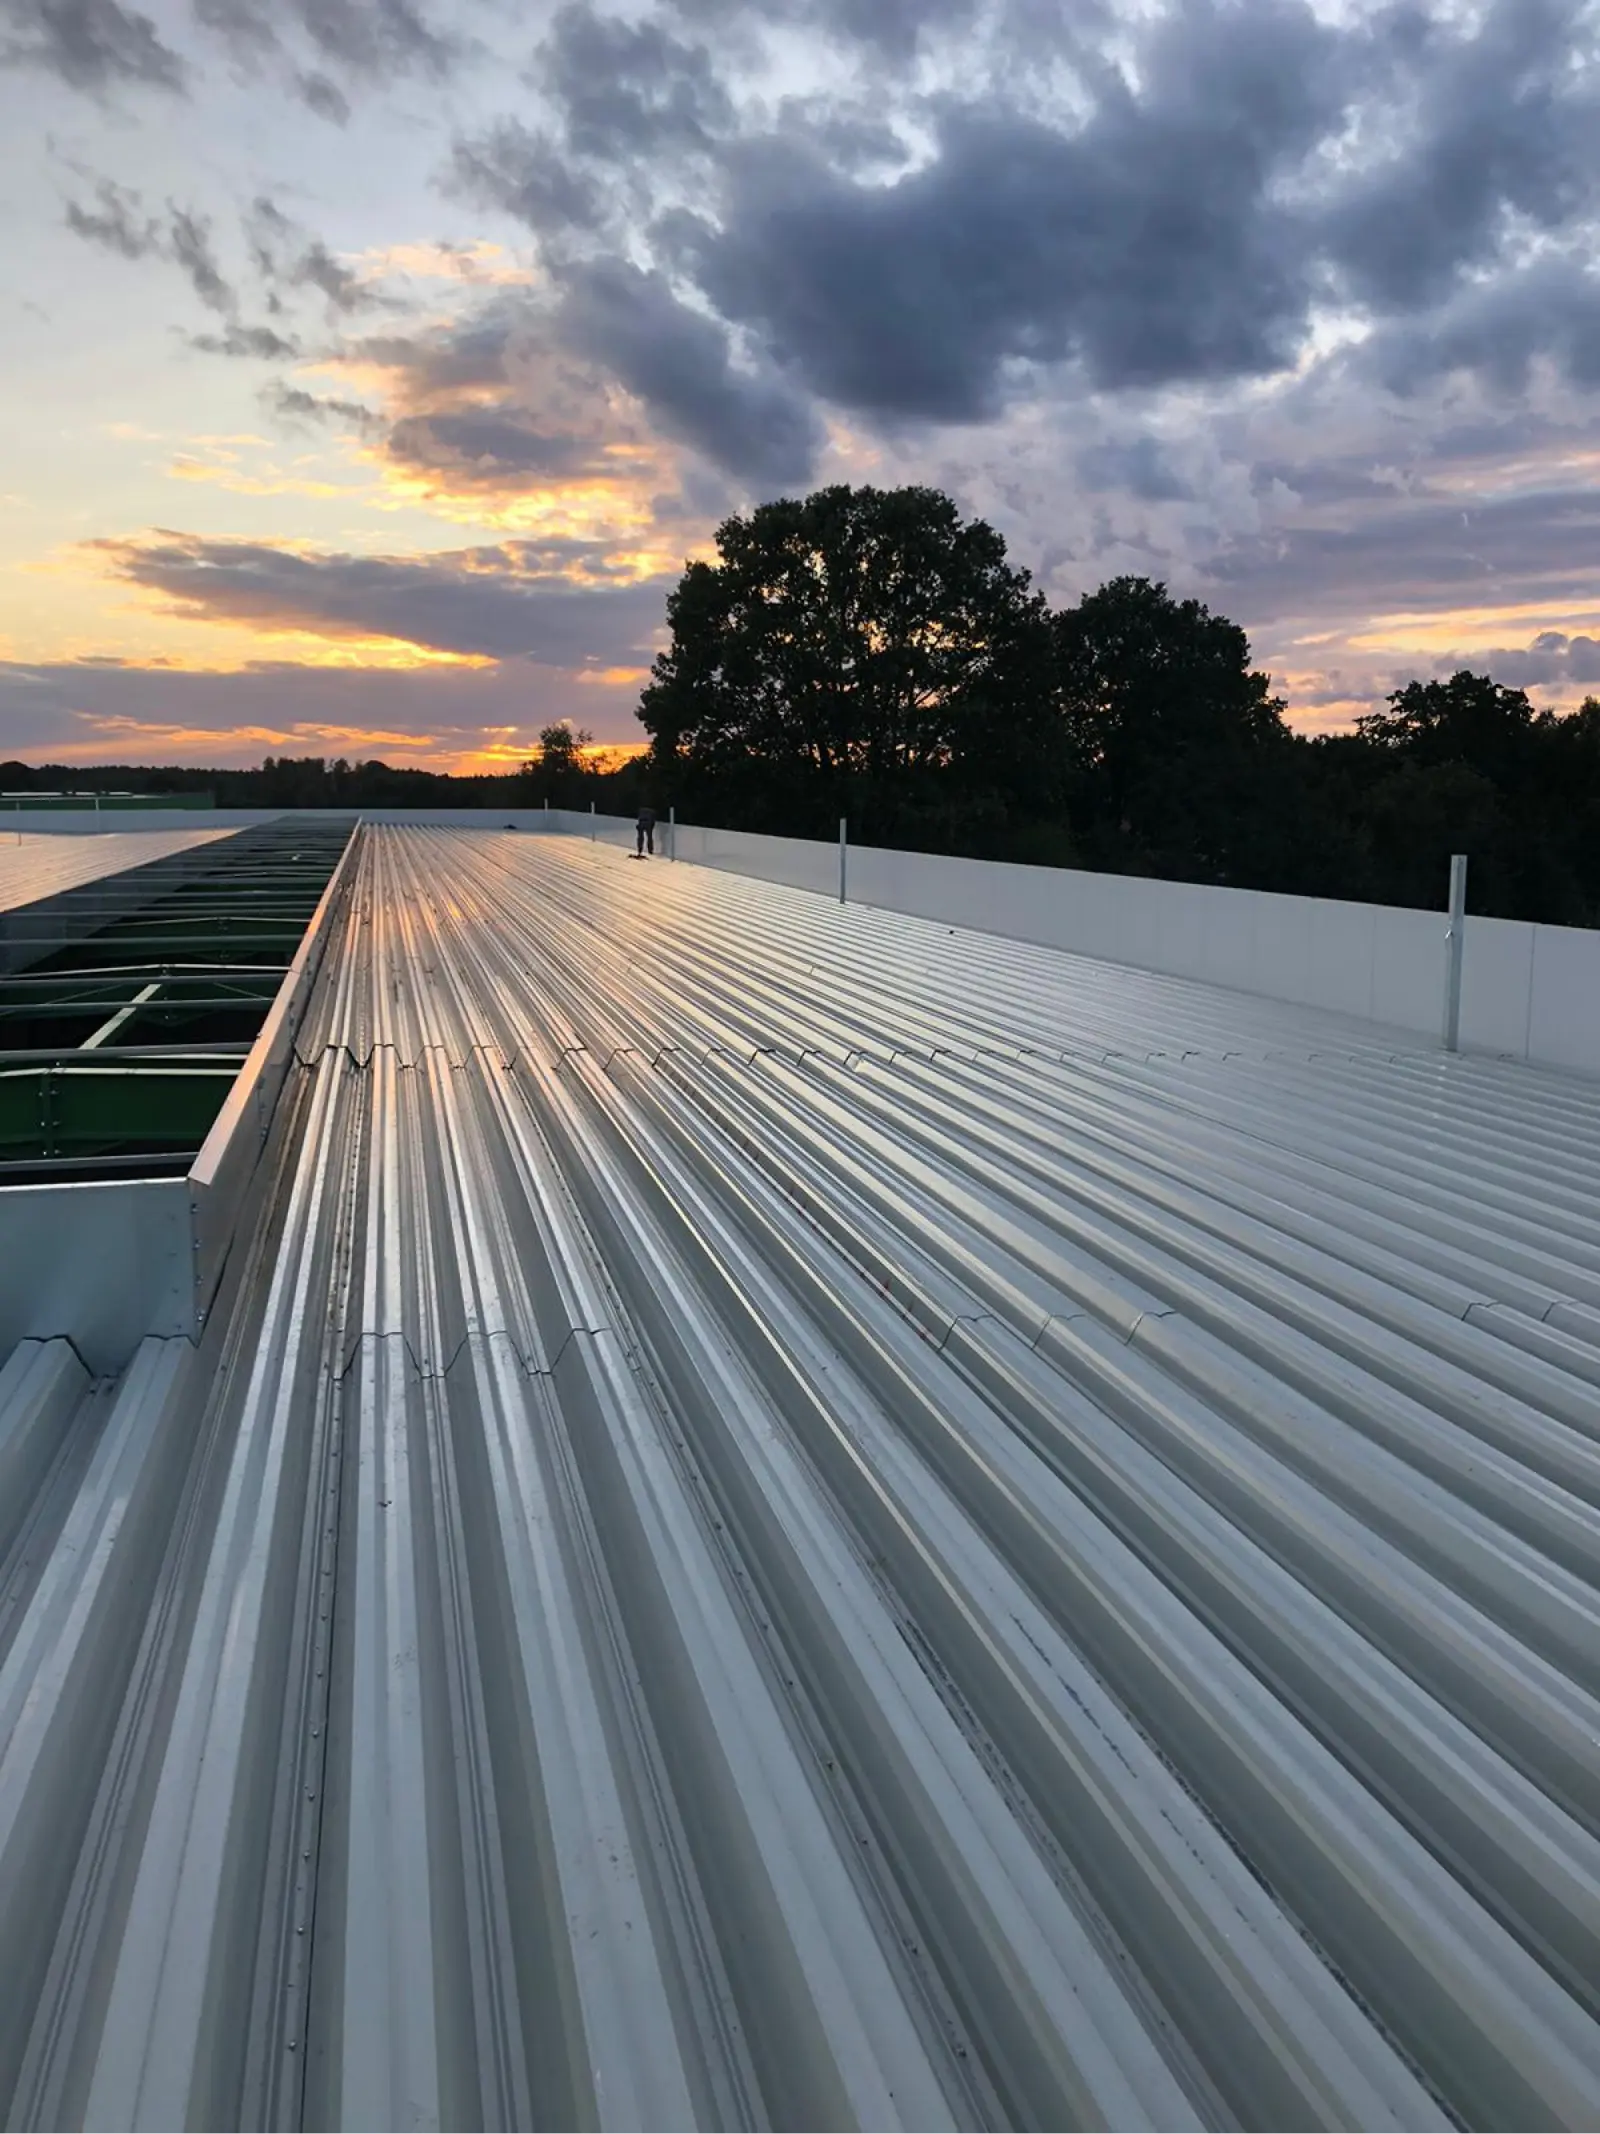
column 1528, row 992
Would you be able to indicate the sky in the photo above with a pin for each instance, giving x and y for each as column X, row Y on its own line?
column 369, row 369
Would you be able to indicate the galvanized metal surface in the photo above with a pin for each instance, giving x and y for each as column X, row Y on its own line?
column 800, row 1518
column 34, row 866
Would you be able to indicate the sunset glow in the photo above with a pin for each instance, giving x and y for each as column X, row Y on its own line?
column 398, row 408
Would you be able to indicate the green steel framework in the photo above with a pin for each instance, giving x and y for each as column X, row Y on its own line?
column 121, row 1038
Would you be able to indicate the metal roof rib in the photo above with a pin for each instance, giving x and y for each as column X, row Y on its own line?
column 796, row 1517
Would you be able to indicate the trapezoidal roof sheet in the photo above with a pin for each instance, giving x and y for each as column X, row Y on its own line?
column 793, row 1517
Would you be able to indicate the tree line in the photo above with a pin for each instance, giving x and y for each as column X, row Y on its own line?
column 870, row 654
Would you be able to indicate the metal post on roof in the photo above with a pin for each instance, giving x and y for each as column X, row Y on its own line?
column 591, row 823
column 672, row 833
column 844, row 852
column 1455, row 941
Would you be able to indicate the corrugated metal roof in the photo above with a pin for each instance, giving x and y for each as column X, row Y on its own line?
column 798, row 1518
column 40, row 865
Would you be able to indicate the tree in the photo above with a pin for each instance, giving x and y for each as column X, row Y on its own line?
column 1468, row 719
column 1516, row 789
column 858, row 651
column 1184, row 765
column 558, row 773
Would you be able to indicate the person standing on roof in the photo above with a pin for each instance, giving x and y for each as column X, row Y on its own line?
column 646, row 827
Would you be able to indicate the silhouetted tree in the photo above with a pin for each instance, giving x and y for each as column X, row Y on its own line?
column 558, row 773
column 863, row 652
column 1184, row 766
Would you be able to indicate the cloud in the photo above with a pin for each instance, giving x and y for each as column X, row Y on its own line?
column 1151, row 244
column 528, row 175
column 630, row 89
column 119, row 224
column 497, row 447
column 895, row 29
column 324, row 97
column 498, row 401
column 1437, row 553
column 1139, row 466
column 92, row 45
column 260, row 343
column 1552, row 658
column 290, row 404
column 457, row 718
column 1498, row 329
column 680, row 364
column 1217, row 176
column 502, row 603
column 364, row 40
column 631, row 105
column 461, row 355
column 190, row 242
column 1491, row 128
column 289, row 257
column 288, row 260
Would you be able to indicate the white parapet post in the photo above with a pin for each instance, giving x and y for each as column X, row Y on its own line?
column 1454, row 942
column 672, row 833
column 844, row 853
column 591, row 823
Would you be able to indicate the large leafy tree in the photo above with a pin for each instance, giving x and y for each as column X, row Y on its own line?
column 858, row 650
column 1468, row 719
column 558, row 772
column 1468, row 765
column 1185, row 766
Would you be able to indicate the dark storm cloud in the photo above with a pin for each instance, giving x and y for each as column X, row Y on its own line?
column 92, row 45
column 1150, row 242
column 1490, row 126
column 630, row 103
column 680, row 364
column 1497, row 329
column 1253, row 164
column 627, row 89
column 117, row 222
column 465, row 601
column 499, row 448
